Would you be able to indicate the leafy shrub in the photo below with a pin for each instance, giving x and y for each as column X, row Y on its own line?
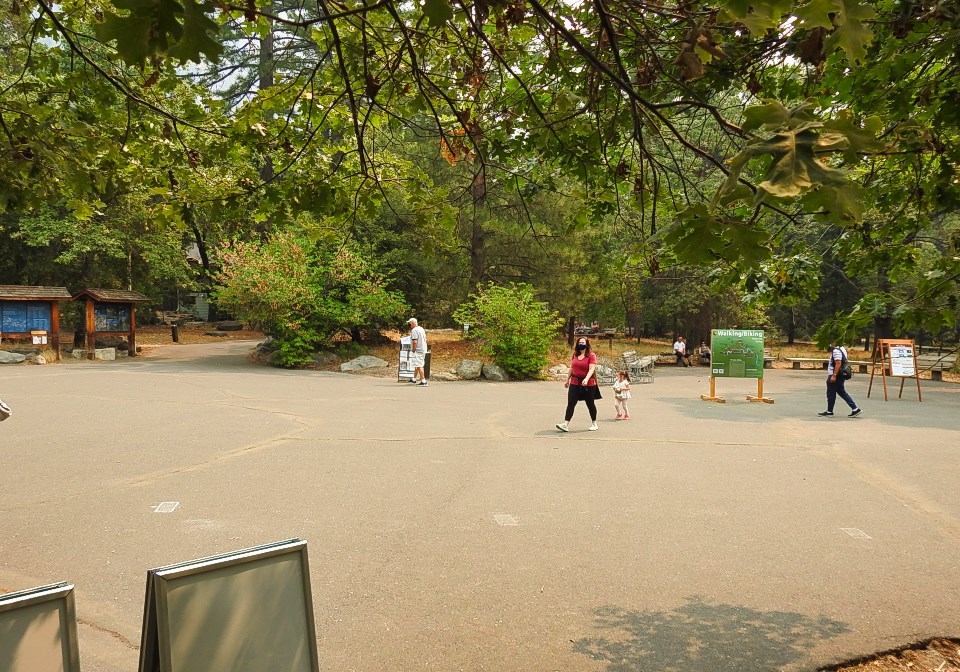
column 514, row 329
column 303, row 291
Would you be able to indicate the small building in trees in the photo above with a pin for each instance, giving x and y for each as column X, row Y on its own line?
column 110, row 312
column 32, row 314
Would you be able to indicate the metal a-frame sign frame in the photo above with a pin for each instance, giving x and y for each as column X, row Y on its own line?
column 899, row 356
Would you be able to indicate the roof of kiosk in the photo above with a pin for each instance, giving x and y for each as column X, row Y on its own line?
column 111, row 295
column 33, row 293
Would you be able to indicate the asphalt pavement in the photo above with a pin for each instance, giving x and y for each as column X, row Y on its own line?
column 452, row 527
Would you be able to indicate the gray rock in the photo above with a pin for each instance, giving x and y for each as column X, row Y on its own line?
column 494, row 372
column 443, row 375
column 215, row 333
column 122, row 352
column 469, row 369
column 559, row 370
column 78, row 353
column 105, row 354
column 11, row 357
column 326, row 357
column 229, row 326
column 39, row 359
column 363, row 362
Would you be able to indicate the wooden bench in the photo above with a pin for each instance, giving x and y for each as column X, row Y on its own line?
column 798, row 362
column 768, row 358
column 821, row 363
column 937, row 364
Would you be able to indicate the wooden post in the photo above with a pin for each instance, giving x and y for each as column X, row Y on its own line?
column 713, row 393
column 760, row 397
column 132, row 337
column 91, row 344
column 55, row 327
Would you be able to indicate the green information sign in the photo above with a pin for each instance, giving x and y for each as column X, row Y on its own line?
column 737, row 353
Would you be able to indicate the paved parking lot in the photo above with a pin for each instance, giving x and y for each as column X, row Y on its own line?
column 453, row 528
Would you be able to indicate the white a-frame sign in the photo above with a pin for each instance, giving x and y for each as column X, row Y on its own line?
column 38, row 630
column 246, row 611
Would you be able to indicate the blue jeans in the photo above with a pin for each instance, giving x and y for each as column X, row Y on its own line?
column 835, row 389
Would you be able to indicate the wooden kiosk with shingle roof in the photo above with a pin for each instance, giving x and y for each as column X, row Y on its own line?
column 110, row 312
column 32, row 313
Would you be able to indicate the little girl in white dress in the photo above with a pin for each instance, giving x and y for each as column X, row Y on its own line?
column 621, row 392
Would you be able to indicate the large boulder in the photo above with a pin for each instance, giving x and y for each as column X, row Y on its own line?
column 11, row 357
column 326, row 357
column 495, row 373
column 105, row 354
column 363, row 362
column 469, row 369
column 443, row 375
column 229, row 325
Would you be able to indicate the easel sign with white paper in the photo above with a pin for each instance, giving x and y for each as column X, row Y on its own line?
column 245, row 611
column 38, row 630
column 405, row 368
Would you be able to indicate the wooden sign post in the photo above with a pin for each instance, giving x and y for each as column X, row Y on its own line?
column 899, row 357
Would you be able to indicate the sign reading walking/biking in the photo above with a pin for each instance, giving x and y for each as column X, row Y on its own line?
column 737, row 353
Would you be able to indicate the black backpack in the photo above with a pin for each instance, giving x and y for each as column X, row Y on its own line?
column 846, row 371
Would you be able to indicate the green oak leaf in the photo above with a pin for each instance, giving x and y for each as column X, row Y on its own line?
column 198, row 34
column 145, row 28
column 862, row 138
column 816, row 13
column 851, row 35
column 772, row 113
column 696, row 236
column 438, row 12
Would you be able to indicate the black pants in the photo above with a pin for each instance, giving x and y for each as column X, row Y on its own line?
column 574, row 394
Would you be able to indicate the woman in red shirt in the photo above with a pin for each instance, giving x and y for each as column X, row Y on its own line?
column 582, row 384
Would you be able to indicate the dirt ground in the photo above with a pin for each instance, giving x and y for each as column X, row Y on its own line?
column 448, row 349
column 938, row 655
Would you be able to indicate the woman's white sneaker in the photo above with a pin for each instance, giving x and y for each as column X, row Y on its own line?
column 563, row 427
column 593, row 427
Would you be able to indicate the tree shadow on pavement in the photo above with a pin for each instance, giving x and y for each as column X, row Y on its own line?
column 701, row 637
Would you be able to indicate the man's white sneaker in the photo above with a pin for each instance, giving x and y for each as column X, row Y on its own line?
column 563, row 427
column 593, row 427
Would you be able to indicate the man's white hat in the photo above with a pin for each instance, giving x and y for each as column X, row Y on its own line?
column 412, row 319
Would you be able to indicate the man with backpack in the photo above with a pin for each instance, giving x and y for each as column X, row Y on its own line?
column 838, row 371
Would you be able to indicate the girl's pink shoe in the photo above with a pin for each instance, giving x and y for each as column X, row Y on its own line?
column 619, row 415
column 626, row 417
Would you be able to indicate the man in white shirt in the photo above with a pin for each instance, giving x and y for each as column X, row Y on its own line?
column 838, row 357
column 418, row 351
column 680, row 350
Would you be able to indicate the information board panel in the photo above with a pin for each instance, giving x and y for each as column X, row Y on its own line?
column 21, row 317
column 902, row 362
column 737, row 353
column 111, row 317
column 38, row 630
column 246, row 611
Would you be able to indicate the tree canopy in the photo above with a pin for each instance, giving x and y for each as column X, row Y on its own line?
column 767, row 145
